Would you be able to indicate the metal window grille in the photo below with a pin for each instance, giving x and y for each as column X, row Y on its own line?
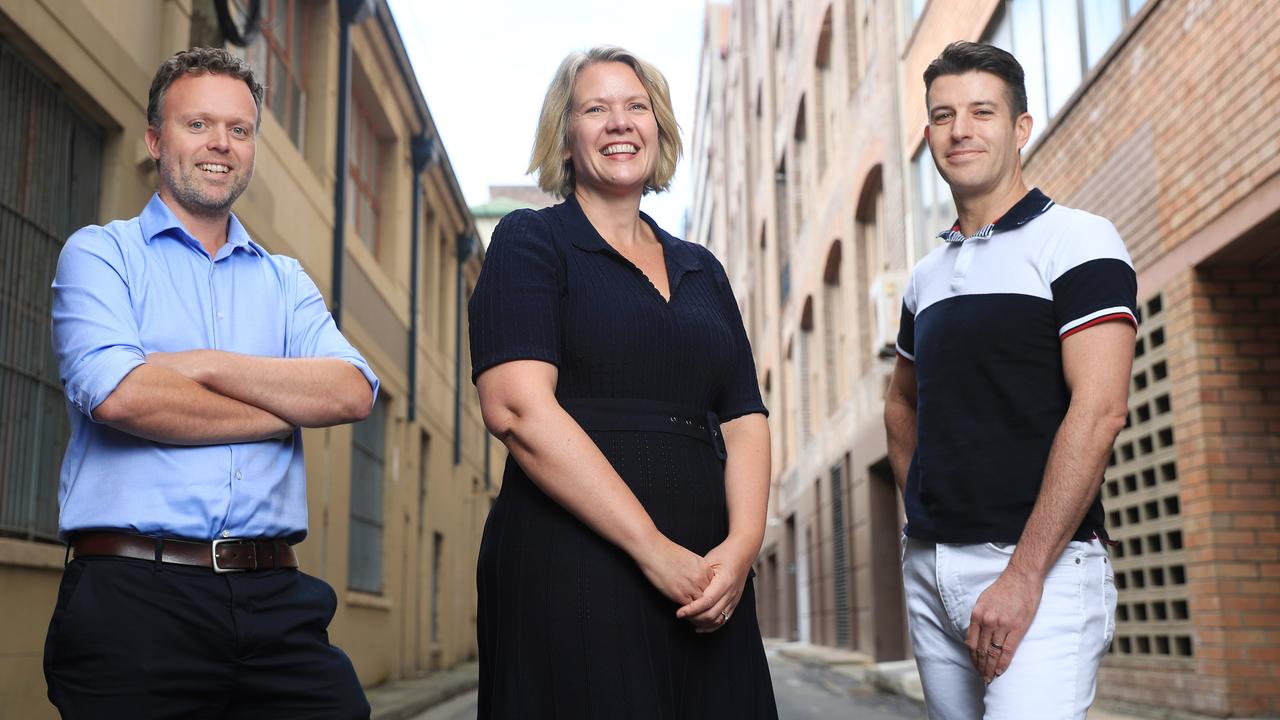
column 839, row 557
column 368, row 462
column 53, row 161
column 1144, row 513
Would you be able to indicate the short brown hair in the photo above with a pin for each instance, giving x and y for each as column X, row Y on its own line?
column 555, row 174
column 962, row 57
column 199, row 61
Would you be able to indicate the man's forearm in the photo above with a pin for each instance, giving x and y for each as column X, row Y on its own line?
column 900, row 427
column 1071, row 481
column 307, row 392
column 158, row 404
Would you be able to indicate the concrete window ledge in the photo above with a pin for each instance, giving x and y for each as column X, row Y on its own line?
column 25, row 553
column 355, row 598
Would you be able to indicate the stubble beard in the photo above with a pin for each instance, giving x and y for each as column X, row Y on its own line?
column 196, row 197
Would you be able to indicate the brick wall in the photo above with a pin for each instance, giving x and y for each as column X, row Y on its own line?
column 1230, row 454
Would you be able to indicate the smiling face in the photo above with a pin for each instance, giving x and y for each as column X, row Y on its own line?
column 206, row 142
column 973, row 134
column 613, row 134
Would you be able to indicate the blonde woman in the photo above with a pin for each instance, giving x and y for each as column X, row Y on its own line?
column 610, row 357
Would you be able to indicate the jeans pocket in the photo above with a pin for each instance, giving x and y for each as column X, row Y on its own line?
column 1109, row 598
column 73, row 579
column 1005, row 549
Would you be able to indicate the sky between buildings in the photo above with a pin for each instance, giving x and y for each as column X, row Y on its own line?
column 484, row 67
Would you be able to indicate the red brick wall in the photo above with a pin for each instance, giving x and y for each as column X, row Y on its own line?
column 1229, row 440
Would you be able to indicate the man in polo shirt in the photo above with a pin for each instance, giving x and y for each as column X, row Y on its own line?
column 1015, row 348
column 191, row 357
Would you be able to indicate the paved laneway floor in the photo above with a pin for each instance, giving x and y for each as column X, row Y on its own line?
column 807, row 692
column 803, row 692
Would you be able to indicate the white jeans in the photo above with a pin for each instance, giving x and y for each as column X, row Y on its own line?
column 1054, row 672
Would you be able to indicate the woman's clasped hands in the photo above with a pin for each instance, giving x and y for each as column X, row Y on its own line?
column 706, row 588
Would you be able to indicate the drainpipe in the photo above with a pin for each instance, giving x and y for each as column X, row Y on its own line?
column 350, row 12
column 466, row 246
column 422, row 151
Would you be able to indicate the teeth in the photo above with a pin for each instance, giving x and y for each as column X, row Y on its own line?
column 212, row 167
column 622, row 147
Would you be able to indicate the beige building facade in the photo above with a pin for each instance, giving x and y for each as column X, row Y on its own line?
column 1157, row 114
column 397, row 502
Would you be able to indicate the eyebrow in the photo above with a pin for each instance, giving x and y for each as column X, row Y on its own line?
column 975, row 103
column 644, row 98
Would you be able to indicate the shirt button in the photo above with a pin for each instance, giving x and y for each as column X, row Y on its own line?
column 226, row 533
column 239, row 475
column 220, row 316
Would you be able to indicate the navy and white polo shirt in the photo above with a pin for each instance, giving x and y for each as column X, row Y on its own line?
column 983, row 318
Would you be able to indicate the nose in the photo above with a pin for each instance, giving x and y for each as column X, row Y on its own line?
column 220, row 138
column 619, row 120
column 961, row 127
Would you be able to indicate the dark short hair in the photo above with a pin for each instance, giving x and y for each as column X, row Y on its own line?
column 962, row 57
column 199, row 61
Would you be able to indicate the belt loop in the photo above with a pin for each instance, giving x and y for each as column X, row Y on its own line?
column 66, row 558
column 159, row 543
column 275, row 554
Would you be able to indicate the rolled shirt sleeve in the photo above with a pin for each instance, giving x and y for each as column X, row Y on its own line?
column 95, row 335
column 314, row 333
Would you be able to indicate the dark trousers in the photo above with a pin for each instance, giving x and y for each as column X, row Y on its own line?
column 137, row 639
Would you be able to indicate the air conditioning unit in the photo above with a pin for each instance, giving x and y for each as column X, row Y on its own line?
column 886, row 307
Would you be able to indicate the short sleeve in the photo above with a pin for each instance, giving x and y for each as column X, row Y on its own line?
column 314, row 334
column 906, row 344
column 515, row 310
column 741, row 395
column 1093, row 280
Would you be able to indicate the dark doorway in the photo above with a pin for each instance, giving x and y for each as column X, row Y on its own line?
column 888, row 606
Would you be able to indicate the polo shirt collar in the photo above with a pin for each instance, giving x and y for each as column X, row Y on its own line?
column 157, row 219
column 1031, row 206
column 680, row 258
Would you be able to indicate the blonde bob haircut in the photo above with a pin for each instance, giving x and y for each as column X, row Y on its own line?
column 555, row 173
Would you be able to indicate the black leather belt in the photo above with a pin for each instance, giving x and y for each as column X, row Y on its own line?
column 222, row 555
column 632, row 415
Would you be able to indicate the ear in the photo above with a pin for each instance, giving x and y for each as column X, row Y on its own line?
column 1022, row 127
column 152, row 138
column 927, row 139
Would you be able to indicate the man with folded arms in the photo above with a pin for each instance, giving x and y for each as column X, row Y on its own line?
column 191, row 359
column 1015, row 348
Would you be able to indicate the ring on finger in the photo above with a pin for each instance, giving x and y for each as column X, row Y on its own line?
column 724, row 616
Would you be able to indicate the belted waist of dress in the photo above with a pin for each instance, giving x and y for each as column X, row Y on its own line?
column 639, row 415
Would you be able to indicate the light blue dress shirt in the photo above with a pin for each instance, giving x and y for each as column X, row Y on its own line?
column 146, row 285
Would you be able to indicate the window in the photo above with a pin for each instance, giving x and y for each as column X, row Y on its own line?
column 932, row 208
column 911, row 11
column 1057, row 42
column 53, row 159
column 852, row 48
column 825, row 96
column 833, row 331
column 437, row 553
column 365, row 168
column 276, row 56
column 368, row 463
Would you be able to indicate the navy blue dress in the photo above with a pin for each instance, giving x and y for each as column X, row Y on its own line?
column 568, row 625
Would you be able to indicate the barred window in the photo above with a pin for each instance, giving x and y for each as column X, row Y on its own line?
column 277, row 57
column 52, row 157
column 368, row 463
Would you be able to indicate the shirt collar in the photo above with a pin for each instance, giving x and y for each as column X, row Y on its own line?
column 1031, row 206
column 157, row 219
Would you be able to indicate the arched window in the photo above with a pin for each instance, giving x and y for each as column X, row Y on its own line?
column 833, row 331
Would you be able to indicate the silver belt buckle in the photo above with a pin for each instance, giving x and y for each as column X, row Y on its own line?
column 213, row 551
